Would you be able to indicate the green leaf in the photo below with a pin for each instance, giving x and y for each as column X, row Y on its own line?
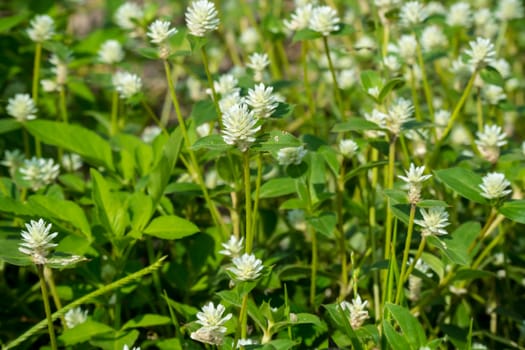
column 73, row 138
column 147, row 320
column 392, row 84
column 10, row 205
column 7, row 23
column 277, row 187
column 115, row 340
column 203, row 111
column 80, row 89
column 463, row 181
column 9, row 251
column 492, row 76
column 411, row 328
column 83, row 332
column 276, row 140
column 213, row 142
column 338, row 315
column 171, row 227
column 456, row 245
column 324, row 224
column 141, row 208
column 514, row 210
column 359, row 169
column 283, row 110
column 355, row 124
column 371, row 79
column 7, row 125
column 306, row 34
column 396, row 340
column 429, row 203
column 471, row 274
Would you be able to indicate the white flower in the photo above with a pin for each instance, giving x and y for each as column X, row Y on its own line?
column 227, row 84
column 459, row 15
column 150, row 133
column 348, row 148
column 481, row 52
column 392, row 63
column 244, row 342
column 60, row 69
column 414, row 178
column 407, row 46
column 502, row 66
column 412, row 13
column 493, row 94
column 211, row 316
column 230, row 100
column 42, row 28
column 239, row 126
column 201, row 17
column 434, row 221
column 37, row 241
column 21, row 107
column 71, row 161
column 300, row 18
column 208, row 335
column 13, row 160
column 49, row 85
column 494, row 186
column 233, row 247
column 346, row 78
column 127, row 15
column 247, row 267
column 127, row 84
column 258, row 62
column 291, row 155
column 324, row 20
column 75, row 316
column 357, row 309
column 110, row 52
column 126, row 347
column 159, row 31
column 509, row 9
column 415, row 282
column 39, row 172
column 433, row 38
column 489, row 142
column 374, row 91
column 261, row 100
column 378, row 118
column 249, row 39
column 435, row 8
column 398, row 113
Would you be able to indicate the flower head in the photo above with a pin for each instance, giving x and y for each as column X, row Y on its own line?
column 37, row 241
column 227, row 84
column 412, row 13
column 261, row 100
column 493, row 94
column 459, row 15
column 324, row 20
column 71, row 162
column 159, row 31
column 414, row 177
column 42, row 28
column 494, row 186
column 239, row 126
column 258, row 62
column 348, row 148
column 126, row 347
column 291, row 155
column 300, row 19
column 246, row 267
column 509, row 9
column 489, row 142
column 127, row 84
column 13, row 160
column 150, row 133
column 21, row 107
column 433, row 38
column 481, row 52
column 110, row 52
column 407, row 46
column 357, row 309
column 39, row 172
column 434, row 221
column 75, row 316
column 398, row 113
column 209, row 335
column 127, row 15
column 201, row 18
column 233, row 247
column 211, row 316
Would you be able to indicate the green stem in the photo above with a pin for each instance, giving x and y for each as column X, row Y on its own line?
column 153, row 116
column 36, row 71
column 307, row 87
column 479, row 111
column 486, row 229
column 114, row 113
column 48, row 274
column 372, row 231
column 426, row 86
column 248, row 202
column 340, row 228
column 492, row 244
column 243, row 317
column 415, row 97
column 501, row 36
column 337, row 93
column 405, row 252
column 25, row 136
column 194, row 169
column 258, row 182
column 416, row 258
column 389, row 185
column 313, row 277
column 62, row 104
column 47, row 307
column 212, row 86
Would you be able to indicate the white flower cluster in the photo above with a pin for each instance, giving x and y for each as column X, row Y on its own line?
column 21, row 107
column 495, row 186
column 212, row 322
column 291, row 155
column 42, row 28
column 39, row 172
column 434, row 221
column 358, row 313
column 75, row 316
column 37, row 241
column 246, row 267
column 233, row 247
column 128, row 15
column 489, row 142
column 239, row 126
column 110, row 52
column 414, row 178
column 262, row 100
column 258, row 62
column 201, row 18
column 127, row 84
column 324, row 20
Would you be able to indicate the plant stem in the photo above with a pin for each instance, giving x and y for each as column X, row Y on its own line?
column 258, row 182
column 307, row 87
column 47, row 307
column 426, row 86
column 243, row 317
column 153, row 116
column 248, row 202
column 337, row 93
column 389, row 185
column 491, row 245
column 340, row 228
column 62, row 104
column 372, row 233
column 36, row 72
column 194, row 168
column 114, row 113
column 48, row 274
column 479, row 111
column 416, row 258
column 415, row 97
column 405, row 252
column 313, row 277
column 212, row 86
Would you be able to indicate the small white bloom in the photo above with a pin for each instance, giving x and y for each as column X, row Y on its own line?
column 13, row 160
column 435, row 8
column 249, row 39
column 392, row 63
column 233, row 247
column 347, row 78
column 433, row 38
column 71, row 162
column 414, row 178
column 49, row 85
column 398, row 113
column 489, row 142
column 21, row 107
column 42, row 28
column 150, row 133
column 434, row 221
column 412, row 13
column 201, row 18
column 227, row 84
column 37, row 241
column 300, row 18
column 246, row 267
column 110, row 52
column 127, row 84
column 159, row 31
column 244, row 342
column 258, row 62
column 127, row 15
column 239, row 126
column 378, row 118
column 502, row 66
column 209, row 335
column 357, row 309
column 291, row 155
column 509, row 9
column 407, row 45
column 230, row 100
column 211, row 316
column 415, row 282
column 348, row 148
column 324, row 20
column 459, row 15
column 261, row 100
column 481, row 52
column 39, row 172
column 494, row 186
column 126, row 347
column 374, row 91
column 75, row 316
column 493, row 94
